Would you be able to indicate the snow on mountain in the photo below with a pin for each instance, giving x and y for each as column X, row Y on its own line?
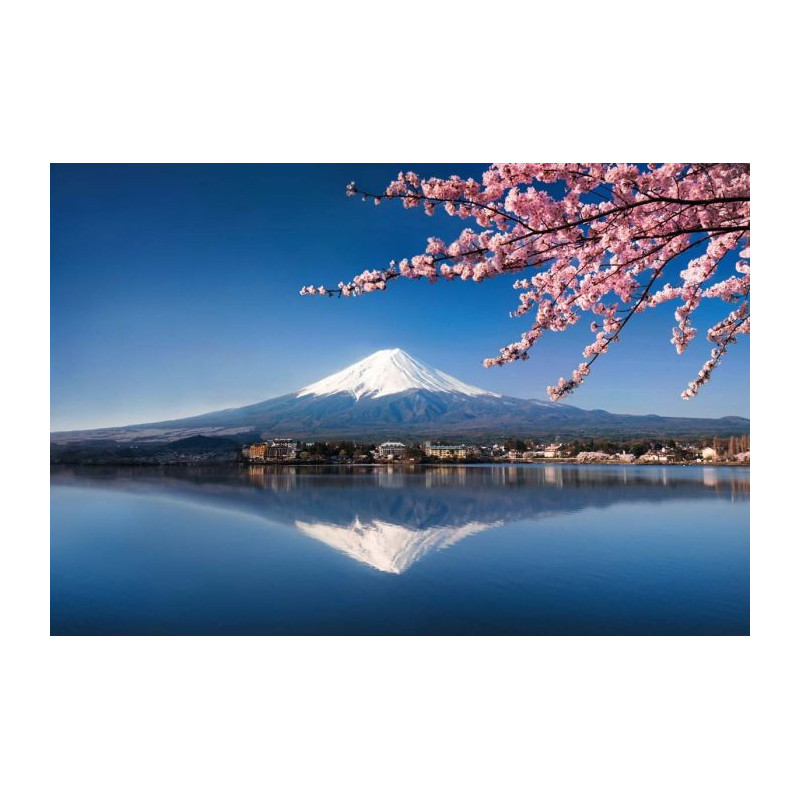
column 390, row 372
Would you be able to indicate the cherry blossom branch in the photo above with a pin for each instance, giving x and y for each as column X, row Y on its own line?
column 612, row 325
column 736, row 322
column 587, row 255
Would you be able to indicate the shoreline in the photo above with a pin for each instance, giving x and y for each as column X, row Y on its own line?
column 400, row 464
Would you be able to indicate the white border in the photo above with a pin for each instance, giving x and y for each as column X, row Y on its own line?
column 567, row 718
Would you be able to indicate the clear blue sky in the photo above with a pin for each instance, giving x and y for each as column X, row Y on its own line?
column 174, row 290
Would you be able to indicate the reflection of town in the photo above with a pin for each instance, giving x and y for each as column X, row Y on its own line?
column 389, row 518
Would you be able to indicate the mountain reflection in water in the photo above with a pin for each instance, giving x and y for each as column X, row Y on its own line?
column 391, row 518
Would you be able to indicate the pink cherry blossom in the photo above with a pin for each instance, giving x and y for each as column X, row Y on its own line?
column 599, row 239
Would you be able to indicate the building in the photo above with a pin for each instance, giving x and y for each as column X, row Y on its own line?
column 531, row 455
column 391, row 450
column 274, row 450
column 523, row 455
column 257, row 451
column 446, row 450
column 551, row 451
column 708, row 454
column 655, row 458
column 281, row 449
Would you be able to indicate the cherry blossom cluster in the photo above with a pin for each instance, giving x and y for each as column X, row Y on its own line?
column 722, row 334
column 598, row 239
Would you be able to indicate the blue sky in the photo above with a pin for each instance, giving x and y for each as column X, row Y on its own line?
column 174, row 290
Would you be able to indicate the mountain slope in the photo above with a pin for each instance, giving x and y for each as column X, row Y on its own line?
column 392, row 394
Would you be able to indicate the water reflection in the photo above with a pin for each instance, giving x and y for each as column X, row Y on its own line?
column 710, row 477
column 390, row 518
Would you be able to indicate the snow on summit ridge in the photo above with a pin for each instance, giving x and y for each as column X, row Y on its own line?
column 390, row 372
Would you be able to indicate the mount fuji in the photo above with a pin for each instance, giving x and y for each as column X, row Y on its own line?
column 390, row 393
column 390, row 372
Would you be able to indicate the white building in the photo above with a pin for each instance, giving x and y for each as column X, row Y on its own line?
column 654, row 458
column 446, row 450
column 391, row 450
column 708, row 454
column 281, row 449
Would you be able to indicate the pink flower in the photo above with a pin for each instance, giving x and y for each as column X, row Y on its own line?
column 604, row 246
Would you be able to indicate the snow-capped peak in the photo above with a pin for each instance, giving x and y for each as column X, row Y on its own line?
column 389, row 372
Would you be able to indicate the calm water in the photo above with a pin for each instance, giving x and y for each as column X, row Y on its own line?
column 534, row 549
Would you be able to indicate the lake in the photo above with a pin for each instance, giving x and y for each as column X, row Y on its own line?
column 534, row 549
